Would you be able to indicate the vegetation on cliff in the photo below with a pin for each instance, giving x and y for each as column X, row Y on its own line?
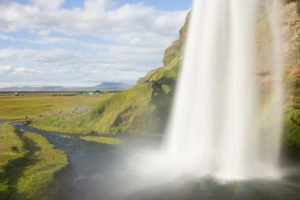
column 291, row 31
column 292, row 109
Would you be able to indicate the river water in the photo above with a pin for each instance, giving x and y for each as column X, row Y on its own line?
column 101, row 172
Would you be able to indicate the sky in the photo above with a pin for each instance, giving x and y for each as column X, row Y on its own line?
column 75, row 43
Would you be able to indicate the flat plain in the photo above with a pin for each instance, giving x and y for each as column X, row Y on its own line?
column 34, row 105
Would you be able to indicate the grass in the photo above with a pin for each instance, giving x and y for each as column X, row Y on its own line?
column 107, row 117
column 10, row 145
column 11, row 148
column 33, row 106
column 66, row 136
column 28, row 173
column 103, row 140
column 168, row 72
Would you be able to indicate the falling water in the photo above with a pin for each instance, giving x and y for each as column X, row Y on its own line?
column 214, row 128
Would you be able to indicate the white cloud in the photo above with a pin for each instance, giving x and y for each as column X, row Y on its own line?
column 13, row 54
column 43, row 33
column 5, row 69
column 131, row 23
column 4, row 84
column 51, row 40
column 6, row 37
column 115, row 63
column 78, row 67
column 48, row 4
column 23, row 70
column 94, row 5
column 130, row 40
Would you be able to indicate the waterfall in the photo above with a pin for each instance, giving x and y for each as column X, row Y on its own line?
column 214, row 128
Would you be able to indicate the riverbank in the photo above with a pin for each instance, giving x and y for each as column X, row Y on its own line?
column 28, row 163
column 101, row 171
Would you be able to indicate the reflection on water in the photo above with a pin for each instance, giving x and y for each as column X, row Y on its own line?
column 99, row 172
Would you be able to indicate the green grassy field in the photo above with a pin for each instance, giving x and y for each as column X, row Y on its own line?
column 103, row 140
column 66, row 136
column 27, row 165
column 33, row 105
column 11, row 148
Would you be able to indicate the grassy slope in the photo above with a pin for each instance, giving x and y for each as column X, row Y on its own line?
column 137, row 110
column 28, row 171
column 33, row 106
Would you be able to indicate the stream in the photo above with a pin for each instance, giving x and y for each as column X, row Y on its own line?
column 99, row 172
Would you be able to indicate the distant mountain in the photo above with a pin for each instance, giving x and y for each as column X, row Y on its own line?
column 105, row 86
column 24, row 88
column 52, row 87
column 112, row 84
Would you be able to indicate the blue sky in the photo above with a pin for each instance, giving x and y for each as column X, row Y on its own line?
column 83, row 43
column 167, row 5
